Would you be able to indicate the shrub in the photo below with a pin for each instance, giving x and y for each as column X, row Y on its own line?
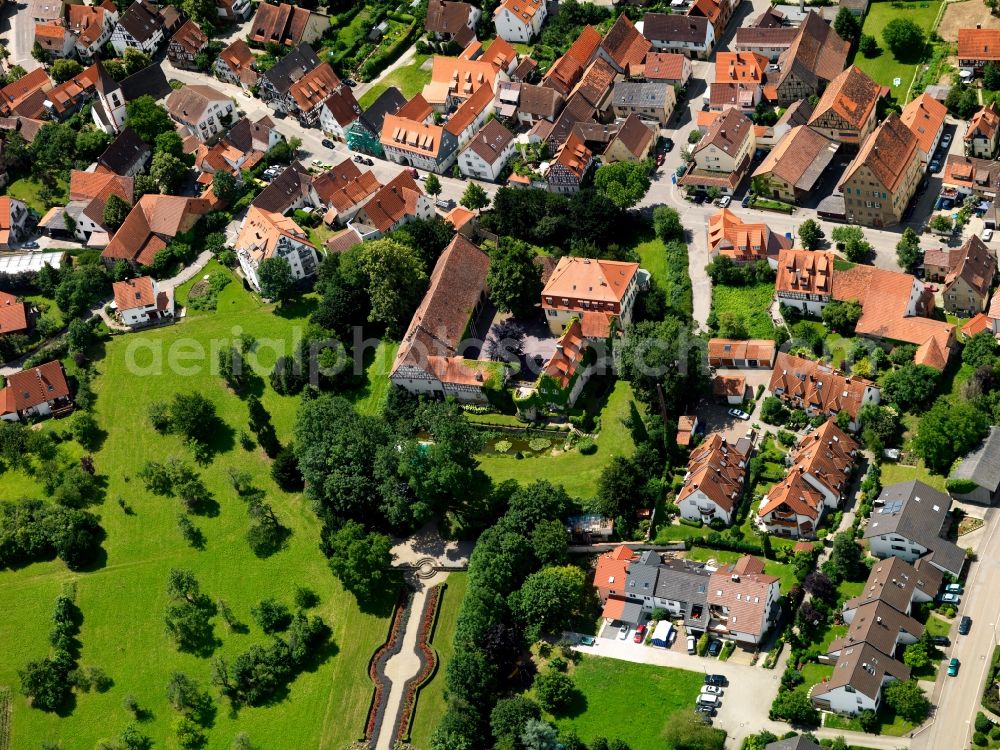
column 982, row 723
column 502, row 446
column 539, row 444
column 587, row 447
column 980, row 740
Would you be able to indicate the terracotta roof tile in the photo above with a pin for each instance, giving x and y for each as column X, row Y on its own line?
column 800, row 158
column 714, row 469
column 664, row 65
column 314, row 88
column 886, row 153
column 138, row 292
column 625, row 45
column 190, row 38
column 924, row 116
column 852, row 95
column 636, row 136
column 811, row 384
column 979, row 44
column 984, row 123
column 35, row 386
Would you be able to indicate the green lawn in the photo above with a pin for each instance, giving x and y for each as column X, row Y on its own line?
column 653, row 257
column 849, row 590
column 627, row 700
column 937, row 625
column 372, row 397
column 889, row 724
column 409, row 79
column 431, row 703
column 27, row 190
column 748, row 302
column 814, row 674
column 576, row 472
column 123, row 599
column 893, row 473
column 885, row 68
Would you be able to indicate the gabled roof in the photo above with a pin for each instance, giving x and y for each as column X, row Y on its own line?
column 669, row 27
column 984, row 124
column 344, row 185
column 190, row 38
column 124, row 152
column 800, row 158
column 71, row 92
column 727, row 132
column 315, row 87
column 982, row 465
column 132, row 293
column 817, row 385
column 279, row 24
column 594, row 280
column 895, row 581
column 568, row 355
column 490, row 142
column 285, row 190
column 239, row 58
column 154, row 217
column 87, row 21
column 635, row 135
column 190, row 103
column 924, row 116
column 664, row 66
column 744, row 243
column 30, row 388
column 26, row 95
column 150, row 81
column 540, row 101
column 714, row 469
column 470, row 110
column 452, row 18
column 742, row 588
column 596, row 81
column 388, row 103
column 886, row 153
column 816, row 55
column 979, row 44
column 412, row 135
column 612, row 568
column 141, row 21
column 261, row 231
column 13, row 315
column 761, row 350
column 976, row 267
column 852, row 95
column 291, row 67
column 745, row 67
column 863, row 668
column 248, row 136
column 395, row 200
column 804, row 271
column 566, row 71
column 577, row 109
column 523, row 10
column 625, row 45
column 92, row 190
column 342, row 106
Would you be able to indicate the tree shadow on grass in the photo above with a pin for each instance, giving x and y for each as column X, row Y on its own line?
column 302, row 307
column 575, row 706
column 382, row 603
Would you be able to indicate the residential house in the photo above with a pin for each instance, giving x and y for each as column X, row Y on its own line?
column 569, row 166
column 526, row 104
column 819, row 470
column 343, row 190
column 739, row 81
column 150, row 226
column 398, row 202
column 233, row 10
column 858, row 678
column 976, row 477
column 339, row 112
column 364, row 134
column 982, row 136
column 487, row 153
column 624, row 48
column 846, row 110
column 895, row 308
column 185, row 46
column 429, row 361
column 26, row 96
column 691, row 36
column 454, row 79
column 769, row 41
column 988, row 321
column 634, row 142
column 55, row 40
column 40, row 391
column 201, row 111
column 715, row 478
column 289, row 190
column 276, row 82
column 563, row 376
column 796, row 165
column 226, row 157
column 976, row 47
column 741, row 242
column 501, row 54
column 308, row 95
column 924, row 116
column 601, row 293
column 743, row 601
column 898, row 584
column 967, row 286
column 13, row 222
column 815, row 57
column 266, row 235
column 909, row 521
column 595, row 86
column 672, row 67
column 718, row 13
column 172, row 17
column 140, row 301
column 751, row 354
column 140, row 27
column 804, row 280
column 651, row 100
column 92, row 25
column 15, row 316
column 567, row 70
column 88, row 194
column 287, row 25
column 46, row 11
column 687, row 428
column 452, row 21
column 795, row 115
column 342, row 241
column 730, row 388
column 966, row 175
column 66, row 98
column 109, row 108
column 884, row 176
column 577, row 110
column 407, row 138
column 612, row 572
column 247, row 136
column 519, row 20
column 678, row 586
column 471, row 115
column 126, row 156
column 237, row 65
column 818, row 389
column 721, row 159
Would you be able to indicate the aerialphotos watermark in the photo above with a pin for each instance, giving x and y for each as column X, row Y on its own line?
column 650, row 356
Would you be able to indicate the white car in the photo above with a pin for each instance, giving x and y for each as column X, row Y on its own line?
column 711, row 690
column 739, row 414
column 987, row 235
column 623, row 632
column 725, row 200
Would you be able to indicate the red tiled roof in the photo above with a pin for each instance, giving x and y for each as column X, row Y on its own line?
column 568, row 356
column 979, row 44
column 812, row 384
column 852, row 95
column 714, row 469
column 137, row 292
column 13, row 315
column 804, row 272
column 30, row 388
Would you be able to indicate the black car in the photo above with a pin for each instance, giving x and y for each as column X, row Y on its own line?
column 716, row 680
column 327, row 143
column 706, row 710
column 714, row 647
column 965, row 625
column 668, row 145
column 940, row 640
column 359, row 159
column 350, row 82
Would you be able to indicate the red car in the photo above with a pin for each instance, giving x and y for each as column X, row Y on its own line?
column 640, row 634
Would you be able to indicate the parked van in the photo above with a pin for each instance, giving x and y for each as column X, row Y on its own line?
column 691, row 644
column 707, row 700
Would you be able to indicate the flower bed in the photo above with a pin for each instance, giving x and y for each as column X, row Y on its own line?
column 428, row 665
column 376, row 665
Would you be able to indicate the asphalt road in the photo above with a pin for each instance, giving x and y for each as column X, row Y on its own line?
column 18, row 33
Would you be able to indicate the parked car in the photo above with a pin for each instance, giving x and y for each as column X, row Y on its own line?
column 640, row 634
column 691, row 645
column 623, row 631
column 725, row 200
column 445, row 203
column 946, row 140
column 32, row 245
column 350, row 82
column 668, row 145
column 359, row 159
column 704, row 699
column 316, row 163
column 705, row 710
column 940, row 640
column 935, row 166
column 327, row 143
column 965, row 625
column 955, row 588
column 414, row 173
column 587, row 640
column 746, row 200
column 711, row 690
column 714, row 647
column 949, row 598
column 718, row 680
column 738, row 414
column 953, row 666
column 987, row 235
